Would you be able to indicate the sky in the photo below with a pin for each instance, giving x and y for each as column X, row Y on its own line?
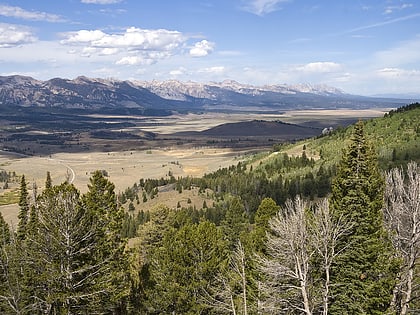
column 364, row 47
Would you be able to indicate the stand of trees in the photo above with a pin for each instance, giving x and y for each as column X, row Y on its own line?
column 67, row 256
column 355, row 252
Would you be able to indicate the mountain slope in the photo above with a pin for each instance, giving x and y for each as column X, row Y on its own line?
column 158, row 97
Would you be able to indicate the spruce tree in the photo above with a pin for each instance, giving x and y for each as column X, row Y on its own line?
column 364, row 272
column 266, row 210
column 76, row 250
column 48, row 181
column 101, row 204
column 4, row 232
column 24, row 209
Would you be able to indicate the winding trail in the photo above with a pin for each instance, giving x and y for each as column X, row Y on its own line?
column 69, row 169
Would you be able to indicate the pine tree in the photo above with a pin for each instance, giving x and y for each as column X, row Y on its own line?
column 267, row 209
column 184, row 266
column 24, row 209
column 101, row 203
column 235, row 221
column 48, row 181
column 76, row 261
column 4, row 232
column 364, row 272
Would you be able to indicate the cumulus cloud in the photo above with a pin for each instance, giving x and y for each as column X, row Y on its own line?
column 13, row 35
column 83, row 36
column 202, row 49
column 320, row 67
column 133, row 38
column 262, row 7
column 100, row 1
column 17, row 12
column 130, row 60
column 133, row 46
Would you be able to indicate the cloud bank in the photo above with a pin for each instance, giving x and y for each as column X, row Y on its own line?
column 19, row 13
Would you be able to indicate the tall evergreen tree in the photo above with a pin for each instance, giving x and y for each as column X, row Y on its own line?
column 4, row 232
column 107, row 217
column 76, row 261
column 267, row 209
column 184, row 267
column 364, row 272
column 24, row 209
column 48, row 181
column 235, row 222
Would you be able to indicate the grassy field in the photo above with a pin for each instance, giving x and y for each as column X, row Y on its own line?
column 124, row 168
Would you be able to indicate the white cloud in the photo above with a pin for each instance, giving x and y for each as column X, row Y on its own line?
column 202, row 49
column 133, row 46
column 132, row 38
column 88, row 51
column 100, row 1
column 320, row 67
column 109, row 51
column 397, row 73
column 17, row 12
column 14, row 35
column 83, row 36
column 213, row 70
column 262, row 7
column 130, row 60
column 178, row 72
column 392, row 9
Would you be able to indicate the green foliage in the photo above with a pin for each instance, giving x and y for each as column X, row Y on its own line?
column 24, row 209
column 4, row 232
column 184, row 266
column 267, row 209
column 48, row 181
column 71, row 259
column 365, row 269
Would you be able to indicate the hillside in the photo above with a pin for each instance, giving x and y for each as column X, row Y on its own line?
column 255, row 129
column 305, row 167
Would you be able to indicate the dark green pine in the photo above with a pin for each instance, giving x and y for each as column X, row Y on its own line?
column 24, row 209
column 4, row 232
column 365, row 271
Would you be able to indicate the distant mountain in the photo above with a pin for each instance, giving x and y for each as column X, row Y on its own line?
column 174, row 89
column 80, row 94
column 164, row 97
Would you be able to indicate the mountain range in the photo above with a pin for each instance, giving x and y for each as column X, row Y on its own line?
column 164, row 97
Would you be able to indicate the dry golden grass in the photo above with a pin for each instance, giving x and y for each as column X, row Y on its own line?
column 124, row 168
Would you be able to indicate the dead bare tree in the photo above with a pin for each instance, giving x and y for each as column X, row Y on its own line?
column 287, row 267
column 224, row 297
column 302, row 248
column 402, row 216
column 325, row 232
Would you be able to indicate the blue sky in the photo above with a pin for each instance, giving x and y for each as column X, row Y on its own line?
column 364, row 47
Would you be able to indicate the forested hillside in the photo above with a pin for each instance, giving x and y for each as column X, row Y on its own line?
column 325, row 226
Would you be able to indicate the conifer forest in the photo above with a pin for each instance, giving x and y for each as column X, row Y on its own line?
column 337, row 234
